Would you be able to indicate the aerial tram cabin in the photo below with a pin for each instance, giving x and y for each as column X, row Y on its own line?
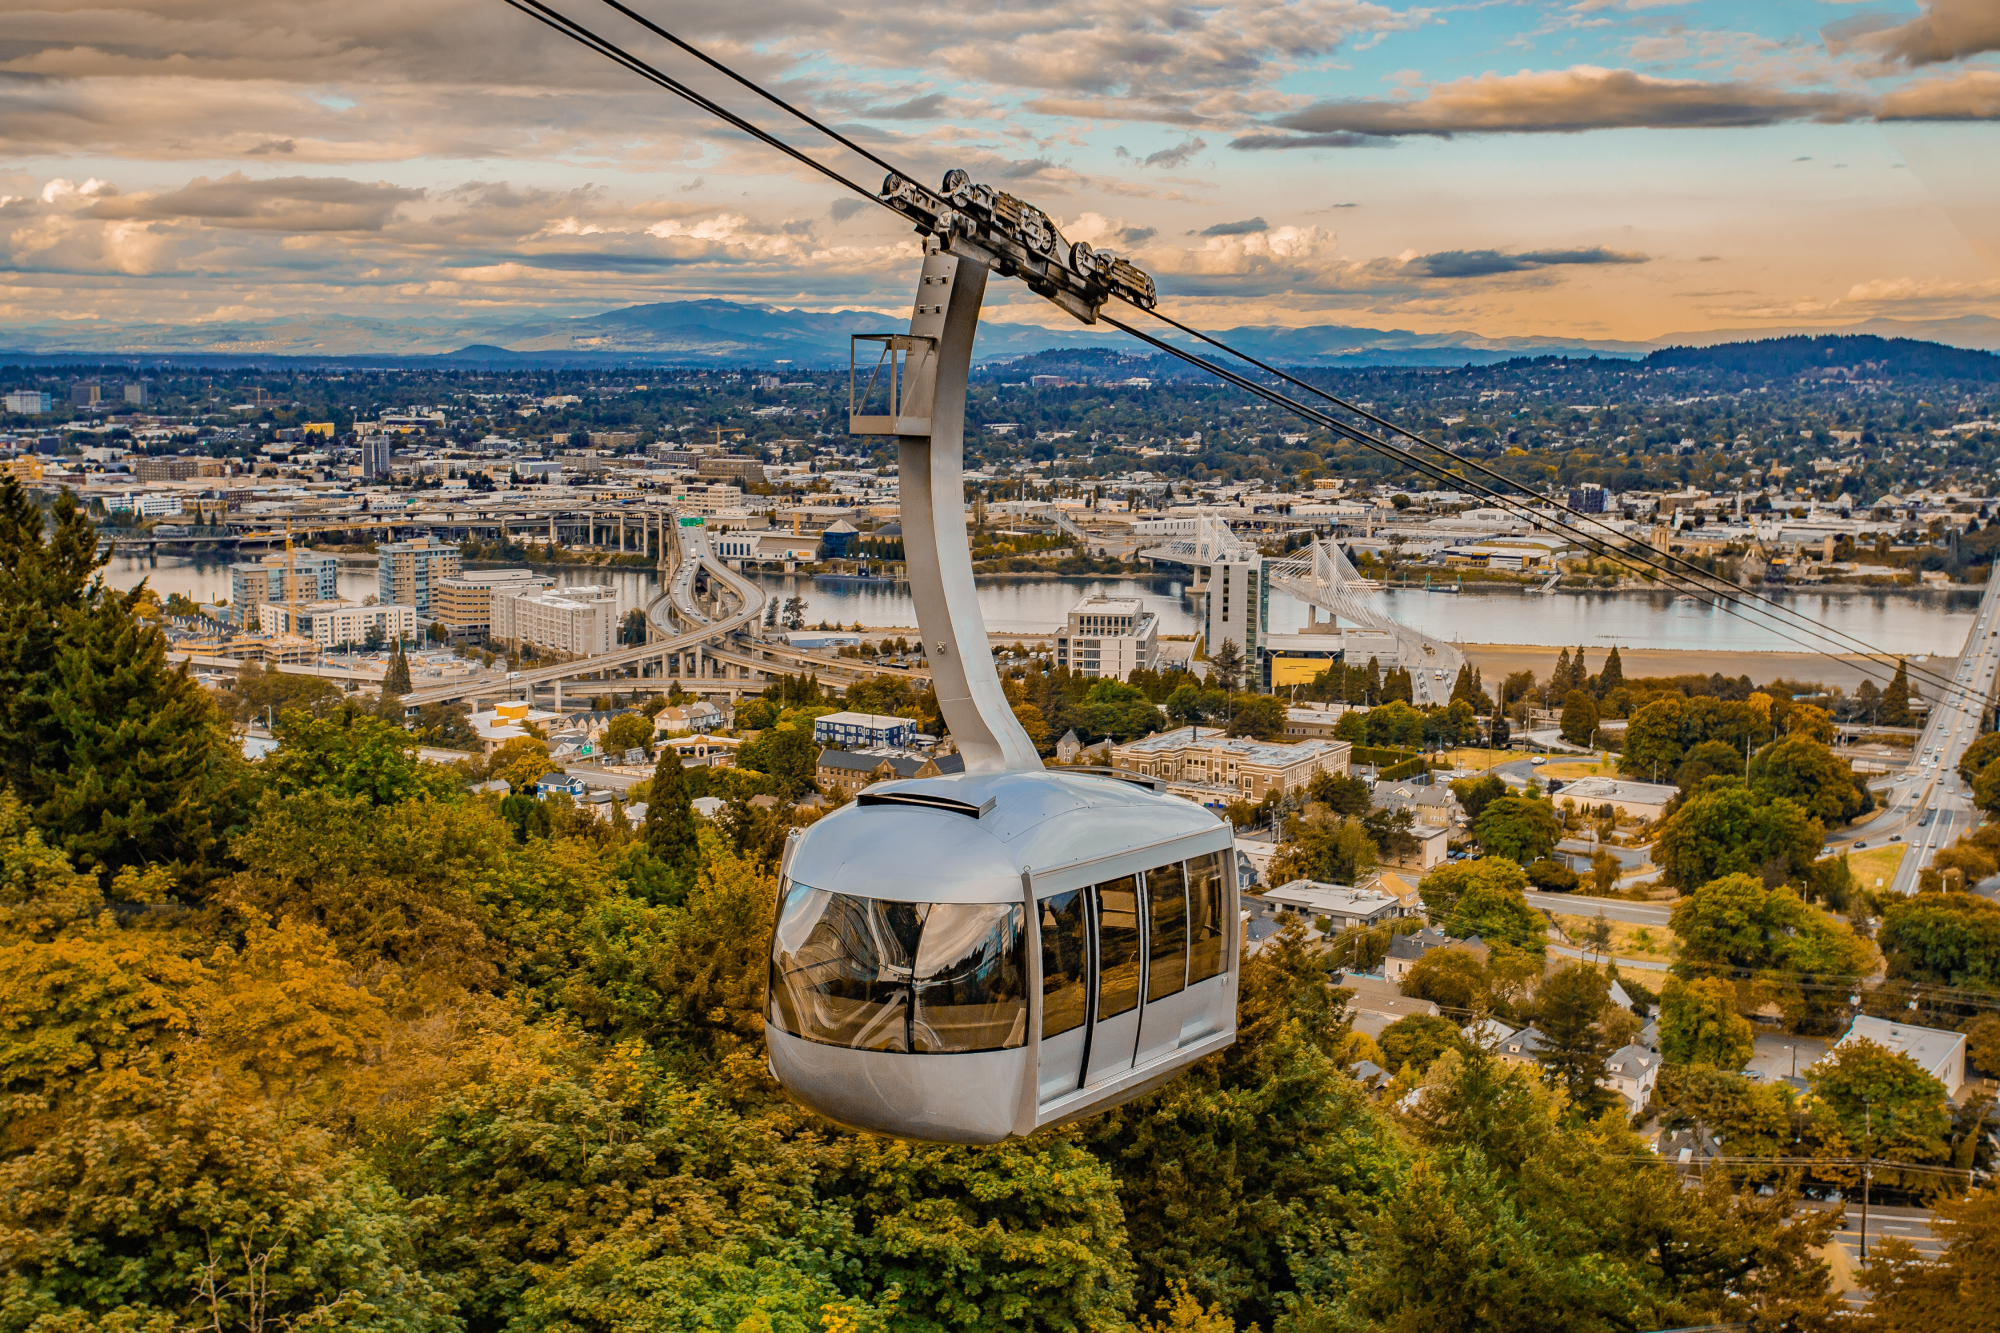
column 970, row 958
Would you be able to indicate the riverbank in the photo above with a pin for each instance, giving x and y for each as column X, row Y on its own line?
column 1496, row 660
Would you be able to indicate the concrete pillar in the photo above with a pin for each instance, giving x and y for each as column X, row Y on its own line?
column 558, row 685
column 621, row 532
column 552, row 529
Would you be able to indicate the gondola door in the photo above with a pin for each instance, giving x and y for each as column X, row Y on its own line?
column 1118, row 915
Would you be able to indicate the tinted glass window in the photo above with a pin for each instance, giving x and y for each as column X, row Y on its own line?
column 970, row 983
column 1064, row 947
column 1208, row 926
column 889, row 976
column 1117, row 947
column 1166, row 905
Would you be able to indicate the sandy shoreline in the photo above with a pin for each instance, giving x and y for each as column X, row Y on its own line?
column 1495, row 660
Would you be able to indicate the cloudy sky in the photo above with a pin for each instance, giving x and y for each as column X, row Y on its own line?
column 1604, row 168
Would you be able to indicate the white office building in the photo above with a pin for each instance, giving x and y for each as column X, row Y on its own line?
column 1110, row 637
column 581, row 621
column 30, row 401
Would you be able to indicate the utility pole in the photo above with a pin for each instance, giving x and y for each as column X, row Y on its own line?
column 1867, row 1160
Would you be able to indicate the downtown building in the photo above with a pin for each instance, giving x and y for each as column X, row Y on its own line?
column 1110, row 637
column 408, row 571
column 580, row 621
column 280, row 579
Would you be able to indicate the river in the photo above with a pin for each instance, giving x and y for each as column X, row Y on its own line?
column 1912, row 624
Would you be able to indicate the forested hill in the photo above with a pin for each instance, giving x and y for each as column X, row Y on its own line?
column 1860, row 356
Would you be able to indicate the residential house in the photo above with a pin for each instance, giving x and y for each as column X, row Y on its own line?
column 1631, row 1072
column 699, row 718
column 842, row 773
column 1405, row 950
column 1342, row 905
column 1374, row 1003
column 550, row 783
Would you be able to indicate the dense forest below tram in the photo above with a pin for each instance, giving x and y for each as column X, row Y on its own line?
column 332, row 1041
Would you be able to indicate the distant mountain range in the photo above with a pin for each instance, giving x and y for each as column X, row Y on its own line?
column 728, row 333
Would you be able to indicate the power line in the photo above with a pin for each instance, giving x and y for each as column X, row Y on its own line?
column 1723, row 590
column 1727, row 601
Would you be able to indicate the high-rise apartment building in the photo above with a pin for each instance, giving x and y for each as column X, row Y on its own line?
column 315, row 579
column 136, row 393
column 378, row 453
column 408, row 571
column 30, row 401
column 86, row 394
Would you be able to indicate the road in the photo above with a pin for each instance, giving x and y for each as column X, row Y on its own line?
column 695, row 552
column 1930, row 806
column 1616, row 909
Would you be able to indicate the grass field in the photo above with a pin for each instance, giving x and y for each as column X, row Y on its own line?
column 1565, row 769
column 1876, row 865
column 1480, row 760
column 1652, row 943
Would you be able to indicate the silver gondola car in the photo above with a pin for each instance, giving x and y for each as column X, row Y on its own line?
column 965, row 959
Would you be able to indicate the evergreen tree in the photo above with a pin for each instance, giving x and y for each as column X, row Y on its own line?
column 1612, row 676
column 1579, row 672
column 396, row 681
column 123, row 760
column 1559, row 676
column 1503, row 735
column 1225, row 664
column 1464, row 686
column 1896, row 699
column 669, row 832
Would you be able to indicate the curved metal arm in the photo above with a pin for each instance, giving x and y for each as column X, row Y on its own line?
column 935, row 548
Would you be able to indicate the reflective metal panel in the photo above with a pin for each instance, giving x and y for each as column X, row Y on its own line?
column 1209, row 904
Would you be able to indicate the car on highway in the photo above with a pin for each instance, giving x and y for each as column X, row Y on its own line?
column 1539, row 760
column 1895, row 837
column 1859, row 846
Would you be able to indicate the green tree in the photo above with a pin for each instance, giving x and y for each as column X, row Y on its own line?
column 670, row 832
column 1725, row 828
column 1956, row 1291
column 149, row 774
column 1612, row 677
column 1259, row 716
column 1332, row 849
column 1414, row 1041
column 1519, row 828
column 1943, row 939
column 1977, row 756
column 1986, row 788
column 1487, row 898
column 1737, row 922
column 177, row 1204
column 1699, row 1024
column 1245, row 1177
column 352, row 754
column 1225, row 665
column 1579, row 717
column 628, row 731
column 1580, row 1027
column 1339, row 793
column 1653, row 740
column 1450, row 978
column 396, row 680
column 1812, row 777
column 1475, row 794
column 1885, row 1097
column 1896, row 699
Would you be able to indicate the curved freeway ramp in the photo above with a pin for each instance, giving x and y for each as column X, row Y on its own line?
column 680, row 590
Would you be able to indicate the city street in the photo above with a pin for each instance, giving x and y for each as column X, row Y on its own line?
column 1932, row 806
